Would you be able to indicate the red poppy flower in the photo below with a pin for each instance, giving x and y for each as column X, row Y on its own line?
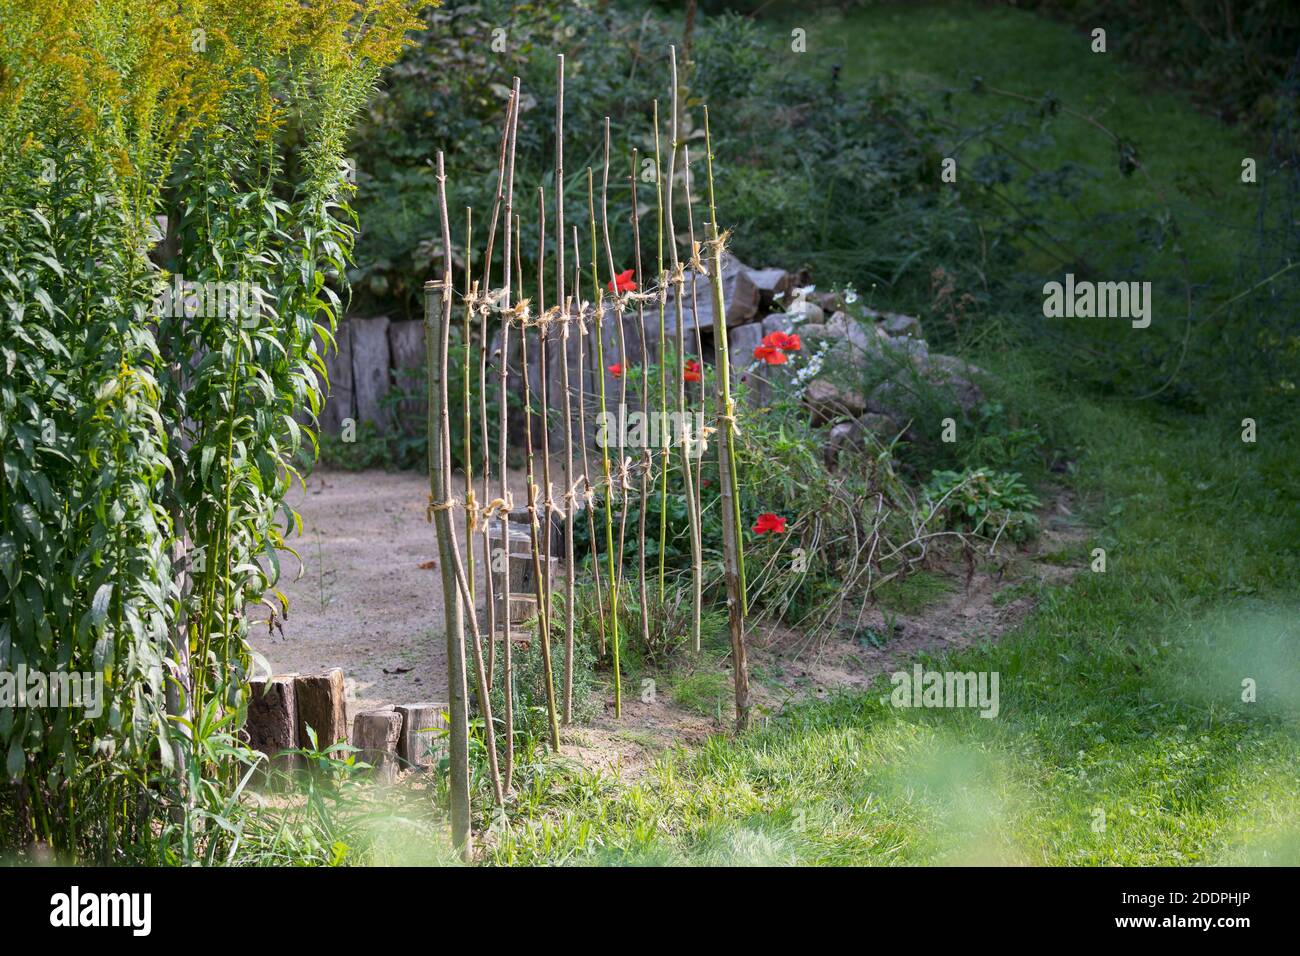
column 616, row 370
column 693, row 373
column 622, row 282
column 770, row 354
column 785, row 341
column 769, row 522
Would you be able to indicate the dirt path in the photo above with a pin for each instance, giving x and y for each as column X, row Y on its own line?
column 369, row 601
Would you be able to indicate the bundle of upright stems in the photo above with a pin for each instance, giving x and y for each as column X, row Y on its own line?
column 720, row 321
column 543, row 610
column 732, row 555
column 609, row 484
column 563, row 302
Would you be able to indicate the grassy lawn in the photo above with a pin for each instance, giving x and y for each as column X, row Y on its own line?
column 1123, row 736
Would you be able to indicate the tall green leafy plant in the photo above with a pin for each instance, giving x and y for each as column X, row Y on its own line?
column 147, row 439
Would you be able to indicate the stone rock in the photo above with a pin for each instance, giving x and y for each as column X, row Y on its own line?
column 828, row 401
column 842, row 327
column 772, row 284
column 896, row 324
column 739, row 293
column 944, row 376
column 805, row 311
column 852, row 436
column 829, row 301
column 741, row 342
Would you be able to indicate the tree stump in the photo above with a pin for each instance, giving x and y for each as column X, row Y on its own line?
column 272, row 725
column 419, row 744
column 322, row 706
column 375, row 734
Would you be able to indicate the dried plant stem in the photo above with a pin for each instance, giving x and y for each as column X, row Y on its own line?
column 471, row 512
column 561, row 300
column 719, row 318
column 588, row 495
column 453, row 573
column 646, row 462
column 486, row 286
column 609, row 484
column 665, row 465
column 622, row 360
column 503, row 512
column 731, row 529
column 543, row 612
column 695, row 310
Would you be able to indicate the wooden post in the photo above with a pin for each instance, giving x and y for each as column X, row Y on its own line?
column 375, row 734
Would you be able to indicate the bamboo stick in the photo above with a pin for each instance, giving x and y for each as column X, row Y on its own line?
column 645, row 407
column 692, row 504
column 695, row 310
column 731, row 528
column 486, row 286
column 503, row 514
column 622, row 358
column 588, row 494
column 609, row 484
column 665, row 464
column 543, row 611
column 561, row 300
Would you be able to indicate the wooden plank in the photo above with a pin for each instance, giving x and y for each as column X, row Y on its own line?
column 406, row 349
column 371, row 374
column 340, row 403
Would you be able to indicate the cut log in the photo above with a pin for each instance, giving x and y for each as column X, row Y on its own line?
column 322, row 706
column 420, row 743
column 375, row 734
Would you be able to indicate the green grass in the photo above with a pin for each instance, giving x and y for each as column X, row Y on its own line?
column 704, row 692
